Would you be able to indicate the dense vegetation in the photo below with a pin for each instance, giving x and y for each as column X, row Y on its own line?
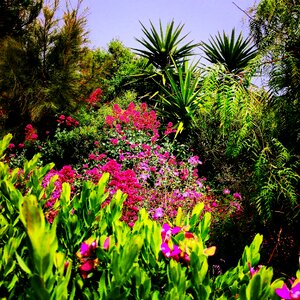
column 132, row 173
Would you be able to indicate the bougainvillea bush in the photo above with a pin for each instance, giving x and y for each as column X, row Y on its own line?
column 141, row 157
column 88, row 252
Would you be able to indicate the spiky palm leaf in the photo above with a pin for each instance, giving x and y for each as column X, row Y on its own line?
column 179, row 101
column 234, row 54
column 162, row 48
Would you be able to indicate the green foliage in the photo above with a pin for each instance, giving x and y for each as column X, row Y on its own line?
column 233, row 53
column 113, row 70
column 275, row 28
column 46, row 261
column 277, row 181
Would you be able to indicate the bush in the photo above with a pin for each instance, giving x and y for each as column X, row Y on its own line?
column 87, row 252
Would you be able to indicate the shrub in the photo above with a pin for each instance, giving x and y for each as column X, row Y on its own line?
column 88, row 252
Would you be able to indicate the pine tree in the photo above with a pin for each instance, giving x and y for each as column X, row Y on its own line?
column 39, row 70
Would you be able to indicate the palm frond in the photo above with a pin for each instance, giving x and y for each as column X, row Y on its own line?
column 233, row 53
column 163, row 47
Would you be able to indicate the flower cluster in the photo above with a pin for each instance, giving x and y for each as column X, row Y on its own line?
column 164, row 182
column 67, row 121
column 66, row 174
column 169, row 129
column 123, row 180
column 181, row 250
column 30, row 134
column 87, row 257
column 94, row 97
column 135, row 119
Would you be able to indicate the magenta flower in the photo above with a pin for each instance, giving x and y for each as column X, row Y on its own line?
column 168, row 252
column 252, row 270
column 106, row 243
column 237, row 196
column 293, row 293
column 87, row 267
column 114, row 141
column 84, row 250
column 175, row 230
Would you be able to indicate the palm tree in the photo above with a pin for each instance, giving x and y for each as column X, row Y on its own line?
column 234, row 54
column 162, row 48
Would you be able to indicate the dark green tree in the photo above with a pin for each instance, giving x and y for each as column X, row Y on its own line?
column 16, row 15
column 39, row 71
column 275, row 28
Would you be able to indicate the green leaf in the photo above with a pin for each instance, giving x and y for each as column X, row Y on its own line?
column 4, row 144
column 23, row 265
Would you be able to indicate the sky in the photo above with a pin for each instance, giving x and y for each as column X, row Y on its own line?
column 119, row 19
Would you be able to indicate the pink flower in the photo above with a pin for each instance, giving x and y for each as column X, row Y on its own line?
column 30, row 134
column 194, row 160
column 226, row 191
column 106, row 243
column 237, row 196
column 293, row 293
column 114, row 141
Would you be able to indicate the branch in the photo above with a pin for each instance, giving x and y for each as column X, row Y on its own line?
column 243, row 11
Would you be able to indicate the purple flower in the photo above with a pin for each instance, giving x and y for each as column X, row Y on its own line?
column 293, row 293
column 168, row 252
column 159, row 213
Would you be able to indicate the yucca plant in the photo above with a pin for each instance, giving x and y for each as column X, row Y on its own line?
column 234, row 54
column 179, row 100
column 162, row 48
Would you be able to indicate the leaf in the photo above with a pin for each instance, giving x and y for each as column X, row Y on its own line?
column 4, row 144
column 23, row 265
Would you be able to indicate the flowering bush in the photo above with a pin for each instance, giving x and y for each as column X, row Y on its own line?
column 146, row 171
column 89, row 252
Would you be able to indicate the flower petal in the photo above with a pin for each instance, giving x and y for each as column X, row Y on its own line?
column 283, row 292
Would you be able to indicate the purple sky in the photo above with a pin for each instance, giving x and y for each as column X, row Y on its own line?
column 119, row 19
